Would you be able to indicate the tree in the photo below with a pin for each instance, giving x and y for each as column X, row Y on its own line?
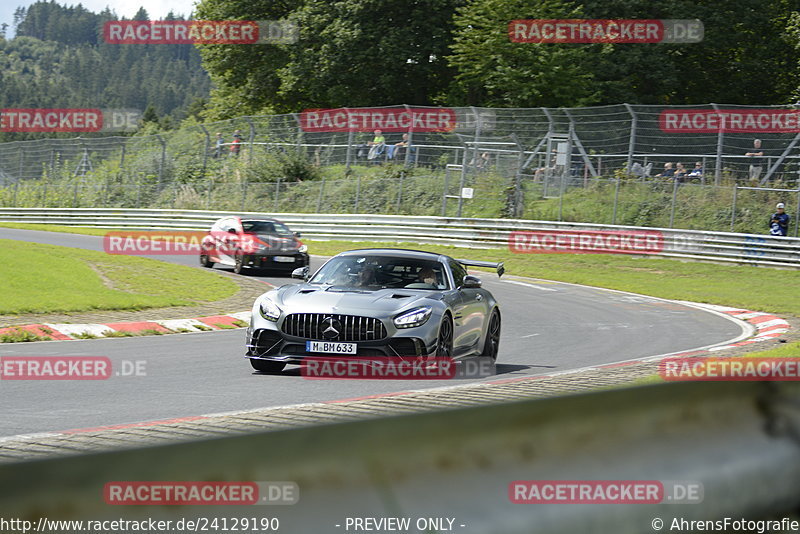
column 494, row 71
column 746, row 56
column 350, row 53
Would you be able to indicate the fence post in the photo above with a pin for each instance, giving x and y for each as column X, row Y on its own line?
column 518, row 207
column 616, row 201
column 349, row 155
column 445, row 188
column 358, row 193
column 733, row 208
column 718, row 164
column 244, row 194
column 21, row 162
column 16, row 187
column 400, row 190
column 208, row 192
column 75, row 195
column 250, row 140
column 206, row 147
column 277, row 194
column 319, row 198
column 299, row 141
column 797, row 214
column 163, row 160
column 674, row 199
column 631, row 143
column 410, row 140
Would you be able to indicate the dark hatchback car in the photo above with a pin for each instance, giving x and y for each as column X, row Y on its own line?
column 253, row 243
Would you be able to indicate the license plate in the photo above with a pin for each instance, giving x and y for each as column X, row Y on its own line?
column 284, row 259
column 331, row 347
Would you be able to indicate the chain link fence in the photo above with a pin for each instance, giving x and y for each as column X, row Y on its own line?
column 598, row 164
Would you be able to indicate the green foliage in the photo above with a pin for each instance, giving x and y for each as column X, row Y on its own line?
column 58, row 60
column 493, row 71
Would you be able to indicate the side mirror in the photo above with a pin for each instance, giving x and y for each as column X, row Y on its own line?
column 297, row 234
column 301, row 273
column 471, row 282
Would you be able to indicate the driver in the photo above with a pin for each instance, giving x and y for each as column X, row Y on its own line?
column 427, row 276
column 366, row 276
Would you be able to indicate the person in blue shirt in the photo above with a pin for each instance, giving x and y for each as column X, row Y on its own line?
column 779, row 222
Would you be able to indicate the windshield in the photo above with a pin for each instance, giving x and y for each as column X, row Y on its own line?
column 265, row 228
column 377, row 272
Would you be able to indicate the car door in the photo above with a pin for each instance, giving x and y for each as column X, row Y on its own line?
column 460, row 306
column 473, row 308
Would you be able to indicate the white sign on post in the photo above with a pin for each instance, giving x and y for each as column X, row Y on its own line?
column 466, row 192
column 561, row 156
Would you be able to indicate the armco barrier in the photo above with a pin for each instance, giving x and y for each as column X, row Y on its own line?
column 739, row 440
column 491, row 233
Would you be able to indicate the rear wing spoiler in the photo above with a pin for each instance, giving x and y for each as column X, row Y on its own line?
column 490, row 264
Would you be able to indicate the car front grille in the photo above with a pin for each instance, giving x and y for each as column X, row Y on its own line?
column 349, row 327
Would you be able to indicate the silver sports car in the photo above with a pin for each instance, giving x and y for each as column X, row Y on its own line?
column 376, row 303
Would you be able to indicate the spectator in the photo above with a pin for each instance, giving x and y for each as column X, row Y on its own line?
column 481, row 162
column 756, row 159
column 779, row 222
column 219, row 143
column 641, row 171
column 668, row 171
column 680, row 172
column 236, row 145
column 401, row 147
column 540, row 173
column 698, row 169
column 378, row 145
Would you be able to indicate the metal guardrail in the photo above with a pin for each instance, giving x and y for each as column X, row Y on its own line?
column 695, row 245
column 739, row 440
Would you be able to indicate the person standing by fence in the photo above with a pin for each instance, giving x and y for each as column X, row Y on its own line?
column 236, row 145
column 756, row 160
column 219, row 143
column 779, row 222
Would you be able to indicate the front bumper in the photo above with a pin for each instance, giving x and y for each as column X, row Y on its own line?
column 267, row 261
column 268, row 344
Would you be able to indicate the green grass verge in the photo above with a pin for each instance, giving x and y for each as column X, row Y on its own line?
column 48, row 278
column 56, row 228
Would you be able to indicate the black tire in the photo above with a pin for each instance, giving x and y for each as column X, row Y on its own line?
column 268, row 367
column 444, row 343
column 205, row 261
column 491, row 347
column 238, row 264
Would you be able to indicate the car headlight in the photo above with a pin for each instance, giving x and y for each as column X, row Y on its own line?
column 269, row 310
column 303, row 248
column 412, row 318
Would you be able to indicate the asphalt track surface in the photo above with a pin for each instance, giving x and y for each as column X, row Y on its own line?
column 547, row 327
